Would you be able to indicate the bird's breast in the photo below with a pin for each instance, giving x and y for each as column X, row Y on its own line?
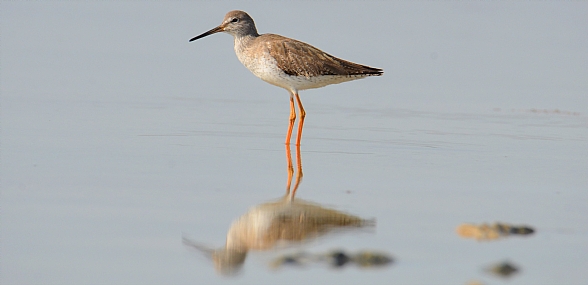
column 264, row 66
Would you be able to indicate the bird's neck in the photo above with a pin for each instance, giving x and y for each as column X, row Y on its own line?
column 243, row 42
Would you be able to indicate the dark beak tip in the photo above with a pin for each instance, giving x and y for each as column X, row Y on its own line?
column 195, row 38
column 213, row 31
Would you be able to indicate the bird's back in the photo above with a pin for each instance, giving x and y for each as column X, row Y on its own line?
column 297, row 58
column 296, row 65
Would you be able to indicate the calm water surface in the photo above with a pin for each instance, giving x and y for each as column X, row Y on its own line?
column 120, row 139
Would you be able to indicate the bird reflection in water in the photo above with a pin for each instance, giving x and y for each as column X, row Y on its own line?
column 285, row 221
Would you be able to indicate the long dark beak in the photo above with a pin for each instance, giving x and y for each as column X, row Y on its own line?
column 213, row 31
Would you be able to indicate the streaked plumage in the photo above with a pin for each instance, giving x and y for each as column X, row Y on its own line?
column 296, row 58
column 287, row 63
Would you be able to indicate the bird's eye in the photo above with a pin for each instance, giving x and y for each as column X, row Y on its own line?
column 234, row 20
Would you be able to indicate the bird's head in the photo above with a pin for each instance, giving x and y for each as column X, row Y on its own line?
column 237, row 23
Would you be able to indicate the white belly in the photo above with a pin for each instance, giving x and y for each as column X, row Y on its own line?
column 266, row 68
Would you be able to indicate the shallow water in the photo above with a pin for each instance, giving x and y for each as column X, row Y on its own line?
column 119, row 142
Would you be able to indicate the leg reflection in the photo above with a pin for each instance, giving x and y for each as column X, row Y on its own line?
column 291, row 192
column 289, row 168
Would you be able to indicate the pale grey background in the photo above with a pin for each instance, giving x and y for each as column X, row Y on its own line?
column 118, row 136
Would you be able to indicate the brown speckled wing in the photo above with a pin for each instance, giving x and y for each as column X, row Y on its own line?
column 300, row 59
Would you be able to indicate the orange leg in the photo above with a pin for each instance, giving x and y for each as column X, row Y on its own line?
column 298, row 171
column 290, row 169
column 292, row 192
column 301, row 122
column 292, row 119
